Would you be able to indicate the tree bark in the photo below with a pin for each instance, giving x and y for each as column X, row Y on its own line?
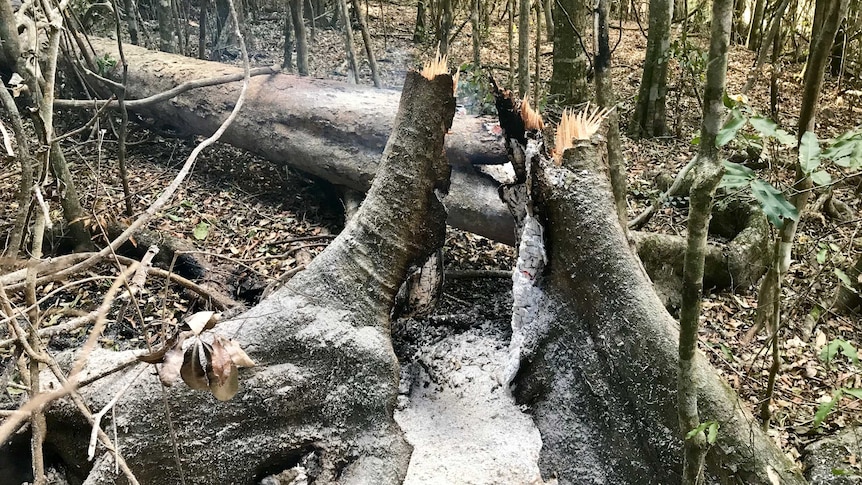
column 300, row 37
column 325, row 128
column 167, row 34
column 350, row 50
column 756, row 26
column 570, row 64
column 369, row 49
column 598, row 363
column 523, row 47
column 327, row 378
column 606, row 98
column 707, row 175
column 649, row 119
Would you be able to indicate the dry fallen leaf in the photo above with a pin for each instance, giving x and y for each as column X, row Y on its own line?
column 196, row 360
column 237, row 355
column 221, row 363
column 169, row 371
column 201, row 321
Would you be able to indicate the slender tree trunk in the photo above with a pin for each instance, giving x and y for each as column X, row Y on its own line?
column 353, row 66
column 775, row 75
column 202, row 29
column 132, row 20
column 537, row 75
column 650, row 117
column 706, row 177
column 445, row 26
column 167, row 35
column 510, row 7
column 756, row 26
column 369, row 49
column 523, row 47
column 774, row 31
column 740, row 27
column 28, row 174
column 548, row 7
column 570, row 64
column 287, row 62
column 300, row 37
column 606, row 98
column 419, row 31
column 477, row 32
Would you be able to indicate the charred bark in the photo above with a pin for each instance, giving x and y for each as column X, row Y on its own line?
column 598, row 360
column 325, row 128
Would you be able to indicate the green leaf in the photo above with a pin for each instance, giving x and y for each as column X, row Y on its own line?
column 776, row 207
column 821, row 255
column 699, row 428
column 845, row 279
column 765, row 126
column 824, row 409
column 174, row 217
column 839, row 345
column 854, row 391
column 712, row 434
column 816, row 312
column 809, row 152
column 839, row 472
column 201, row 231
column 821, row 178
column 785, row 138
column 728, row 132
column 838, row 150
column 736, row 175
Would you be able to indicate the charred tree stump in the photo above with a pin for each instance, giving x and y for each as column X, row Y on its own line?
column 326, row 383
column 595, row 353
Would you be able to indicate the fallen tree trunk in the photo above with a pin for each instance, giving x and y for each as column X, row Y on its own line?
column 326, row 128
column 336, row 132
column 324, row 390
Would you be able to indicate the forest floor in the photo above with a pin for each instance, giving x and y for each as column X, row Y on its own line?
column 267, row 221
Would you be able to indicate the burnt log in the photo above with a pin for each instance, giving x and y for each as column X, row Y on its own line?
column 326, row 128
column 323, row 393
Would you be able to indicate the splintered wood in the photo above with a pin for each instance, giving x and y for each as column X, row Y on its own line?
column 577, row 126
column 435, row 67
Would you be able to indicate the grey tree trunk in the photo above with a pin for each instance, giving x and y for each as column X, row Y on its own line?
column 419, row 32
column 650, row 113
column 606, row 98
column 300, row 37
column 324, row 128
column 287, row 60
column 445, row 26
column 131, row 20
column 756, row 26
column 369, row 49
column 598, row 360
column 327, row 378
column 476, row 34
column 353, row 66
column 570, row 64
column 706, row 176
column 167, row 33
column 523, row 47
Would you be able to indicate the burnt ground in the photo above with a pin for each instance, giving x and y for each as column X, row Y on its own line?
column 264, row 220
